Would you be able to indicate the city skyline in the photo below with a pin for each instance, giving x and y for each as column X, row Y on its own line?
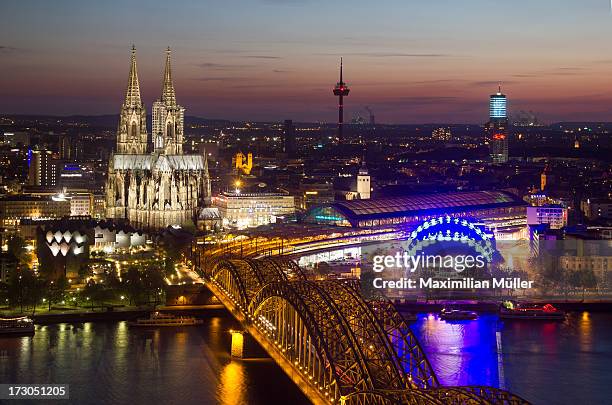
column 272, row 60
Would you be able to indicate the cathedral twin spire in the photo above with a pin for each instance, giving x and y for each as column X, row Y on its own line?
column 168, row 117
column 132, row 94
column 168, row 94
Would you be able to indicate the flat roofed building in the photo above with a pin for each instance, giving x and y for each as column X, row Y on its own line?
column 243, row 210
column 498, row 208
column 554, row 215
column 15, row 208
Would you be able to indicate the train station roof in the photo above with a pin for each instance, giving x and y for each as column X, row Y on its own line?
column 354, row 211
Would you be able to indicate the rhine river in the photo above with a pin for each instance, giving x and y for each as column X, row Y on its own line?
column 111, row 363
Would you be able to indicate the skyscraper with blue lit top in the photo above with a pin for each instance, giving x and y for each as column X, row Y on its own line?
column 497, row 127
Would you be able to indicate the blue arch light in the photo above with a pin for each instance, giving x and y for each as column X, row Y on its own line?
column 447, row 229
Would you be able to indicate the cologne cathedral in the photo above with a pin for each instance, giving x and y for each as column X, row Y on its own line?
column 152, row 183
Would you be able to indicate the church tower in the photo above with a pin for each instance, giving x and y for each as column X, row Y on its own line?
column 364, row 186
column 132, row 130
column 168, row 117
column 154, row 187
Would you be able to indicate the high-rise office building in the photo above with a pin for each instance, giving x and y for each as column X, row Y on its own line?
column 497, row 127
column 43, row 170
column 70, row 148
column 65, row 147
column 289, row 144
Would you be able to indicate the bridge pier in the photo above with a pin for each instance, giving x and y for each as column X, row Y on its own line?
column 238, row 337
column 245, row 346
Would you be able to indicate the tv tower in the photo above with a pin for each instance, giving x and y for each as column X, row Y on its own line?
column 341, row 90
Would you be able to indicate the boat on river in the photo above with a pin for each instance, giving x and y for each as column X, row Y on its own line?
column 546, row 312
column 457, row 315
column 16, row 326
column 159, row 319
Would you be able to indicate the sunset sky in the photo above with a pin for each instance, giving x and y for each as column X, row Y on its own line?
column 410, row 61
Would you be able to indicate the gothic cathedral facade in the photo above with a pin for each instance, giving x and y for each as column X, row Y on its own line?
column 153, row 184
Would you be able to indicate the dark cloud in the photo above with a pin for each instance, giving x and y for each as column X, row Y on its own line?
column 222, row 66
column 262, row 57
column 258, row 86
column 396, row 55
column 280, row 71
column 562, row 71
column 437, row 81
column 7, row 49
column 488, row 83
column 219, row 79
column 423, row 100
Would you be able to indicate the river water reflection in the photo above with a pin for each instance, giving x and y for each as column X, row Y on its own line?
column 545, row 362
column 110, row 363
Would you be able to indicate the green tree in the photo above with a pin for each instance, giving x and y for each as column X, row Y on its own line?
column 17, row 247
column 153, row 283
column 56, row 290
column 133, row 284
column 19, row 286
column 95, row 293
column 34, row 291
column 4, row 296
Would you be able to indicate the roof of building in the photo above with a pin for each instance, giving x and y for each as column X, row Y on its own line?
column 24, row 197
column 420, row 204
column 158, row 162
column 209, row 213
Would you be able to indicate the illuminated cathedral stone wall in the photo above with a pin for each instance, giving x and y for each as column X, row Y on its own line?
column 154, row 185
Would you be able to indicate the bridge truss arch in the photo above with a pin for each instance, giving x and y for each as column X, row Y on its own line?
column 339, row 347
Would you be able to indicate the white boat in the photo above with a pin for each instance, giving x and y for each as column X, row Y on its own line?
column 158, row 319
column 16, row 326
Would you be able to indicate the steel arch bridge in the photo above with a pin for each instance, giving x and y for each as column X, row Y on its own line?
column 333, row 344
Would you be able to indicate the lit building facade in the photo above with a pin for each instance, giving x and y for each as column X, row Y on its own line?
column 364, row 186
column 497, row 128
column 159, row 186
column 43, row 170
column 553, row 215
column 313, row 192
column 243, row 163
column 13, row 209
column 244, row 210
column 64, row 245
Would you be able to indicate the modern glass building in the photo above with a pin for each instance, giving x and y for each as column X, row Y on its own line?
column 497, row 127
column 497, row 106
column 494, row 208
